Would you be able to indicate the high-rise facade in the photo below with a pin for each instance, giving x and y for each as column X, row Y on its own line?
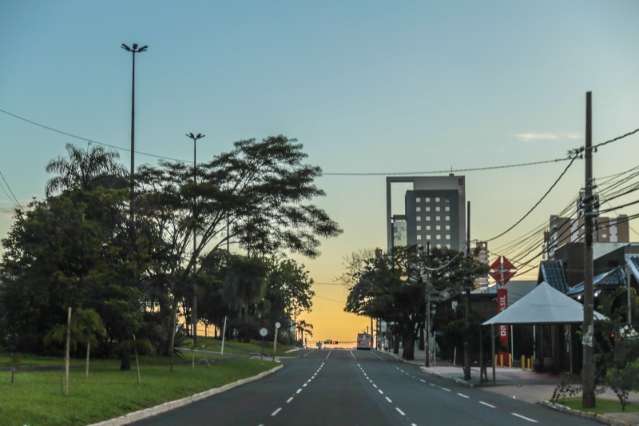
column 434, row 211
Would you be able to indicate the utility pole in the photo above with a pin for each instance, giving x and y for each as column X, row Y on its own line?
column 588, row 370
column 467, row 302
column 427, row 319
column 628, row 295
column 194, row 137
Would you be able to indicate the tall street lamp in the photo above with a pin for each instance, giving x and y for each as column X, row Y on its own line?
column 194, row 137
column 134, row 49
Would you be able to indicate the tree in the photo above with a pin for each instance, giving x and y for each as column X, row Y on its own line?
column 86, row 329
column 304, row 328
column 391, row 286
column 257, row 196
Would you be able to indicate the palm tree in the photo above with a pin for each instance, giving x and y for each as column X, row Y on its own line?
column 84, row 169
column 304, row 327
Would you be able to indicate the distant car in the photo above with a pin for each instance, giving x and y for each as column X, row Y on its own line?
column 364, row 341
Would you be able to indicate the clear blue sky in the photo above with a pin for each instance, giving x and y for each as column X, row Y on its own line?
column 366, row 86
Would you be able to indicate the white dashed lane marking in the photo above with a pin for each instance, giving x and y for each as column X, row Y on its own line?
column 274, row 413
column 400, row 411
column 445, row 389
column 486, row 404
column 463, row 395
column 528, row 419
column 288, row 401
column 390, row 401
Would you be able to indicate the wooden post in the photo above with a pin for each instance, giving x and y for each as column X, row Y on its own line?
column 492, row 345
column 86, row 368
column 67, row 354
column 137, row 359
column 223, row 337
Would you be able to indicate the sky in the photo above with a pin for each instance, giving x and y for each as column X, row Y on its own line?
column 366, row 86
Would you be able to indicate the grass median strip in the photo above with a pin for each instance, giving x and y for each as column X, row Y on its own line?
column 36, row 397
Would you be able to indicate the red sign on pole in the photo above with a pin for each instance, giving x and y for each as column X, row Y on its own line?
column 502, row 270
column 502, row 303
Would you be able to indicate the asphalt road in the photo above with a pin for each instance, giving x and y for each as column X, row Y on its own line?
column 342, row 387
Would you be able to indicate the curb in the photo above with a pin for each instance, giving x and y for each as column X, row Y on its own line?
column 453, row 379
column 601, row 418
column 172, row 405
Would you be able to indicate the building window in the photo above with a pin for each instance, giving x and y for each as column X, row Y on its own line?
column 419, row 218
column 418, row 199
column 419, row 209
column 448, row 246
column 439, row 246
column 437, row 218
column 437, row 228
column 438, row 237
column 447, row 208
column 427, row 208
column 428, row 237
column 419, row 227
column 428, row 199
column 428, row 218
column 448, row 237
column 437, row 199
column 437, row 208
column 448, row 227
column 419, row 237
column 447, row 218
column 428, row 227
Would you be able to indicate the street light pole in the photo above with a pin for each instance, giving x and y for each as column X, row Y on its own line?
column 133, row 49
column 194, row 137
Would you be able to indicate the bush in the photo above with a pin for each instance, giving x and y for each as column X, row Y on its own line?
column 623, row 380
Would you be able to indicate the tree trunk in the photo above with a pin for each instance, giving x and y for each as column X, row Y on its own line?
column 421, row 339
column 67, row 354
column 395, row 344
column 408, row 346
column 125, row 360
column 172, row 333
column 86, row 367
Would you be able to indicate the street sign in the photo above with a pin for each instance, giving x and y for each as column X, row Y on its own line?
column 502, row 270
column 263, row 332
column 277, row 324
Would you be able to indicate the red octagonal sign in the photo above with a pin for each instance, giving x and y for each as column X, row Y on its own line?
column 502, row 270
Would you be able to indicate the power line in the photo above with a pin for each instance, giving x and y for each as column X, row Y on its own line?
column 618, row 138
column 11, row 193
column 85, row 139
column 572, row 160
column 451, row 170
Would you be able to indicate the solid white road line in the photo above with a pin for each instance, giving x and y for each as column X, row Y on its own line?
column 463, row 395
column 288, row 401
column 486, row 404
column 528, row 419
column 390, row 401
column 274, row 413
column 400, row 411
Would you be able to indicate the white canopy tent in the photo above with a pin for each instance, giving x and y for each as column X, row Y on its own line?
column 544, row 305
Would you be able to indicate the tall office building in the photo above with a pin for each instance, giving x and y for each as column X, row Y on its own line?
column 435, row 211
column 564, row 230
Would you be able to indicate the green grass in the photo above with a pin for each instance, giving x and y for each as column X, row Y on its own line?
column 36, row 398
column 602, row 406
column 239, row 348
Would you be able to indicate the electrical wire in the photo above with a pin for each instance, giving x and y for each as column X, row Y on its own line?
column 11, row 194
column 572, row 160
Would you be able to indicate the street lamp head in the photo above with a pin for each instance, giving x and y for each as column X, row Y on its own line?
column 194, row 136
column 135, row 48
